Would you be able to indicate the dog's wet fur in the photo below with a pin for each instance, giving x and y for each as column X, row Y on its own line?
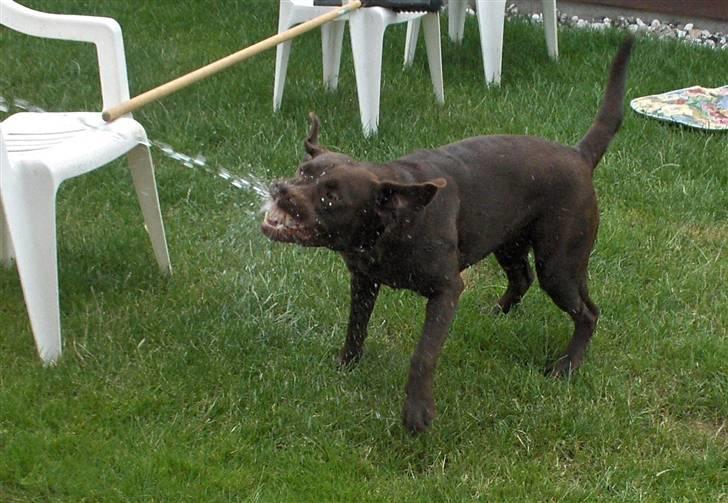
column 418, row 221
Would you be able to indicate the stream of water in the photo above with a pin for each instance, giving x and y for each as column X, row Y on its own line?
column 249, row 183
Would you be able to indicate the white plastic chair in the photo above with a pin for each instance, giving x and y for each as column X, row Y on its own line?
column 366, row 26
column 491, row 16
column 38, row 151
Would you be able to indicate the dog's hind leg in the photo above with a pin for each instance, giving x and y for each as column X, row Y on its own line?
column 364, row 293
column 513, row 258
column 584, row 292
column 562, row 275
column 567, row 295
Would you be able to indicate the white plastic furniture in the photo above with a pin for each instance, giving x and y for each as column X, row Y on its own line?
column 366, row 27
column 491, row 16
column 38, row 151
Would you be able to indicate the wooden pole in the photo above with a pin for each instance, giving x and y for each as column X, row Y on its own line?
column 206, row 71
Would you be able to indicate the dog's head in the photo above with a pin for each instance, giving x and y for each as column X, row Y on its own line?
column 337, row 202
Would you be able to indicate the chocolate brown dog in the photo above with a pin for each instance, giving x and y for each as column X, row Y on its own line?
column 418, row 221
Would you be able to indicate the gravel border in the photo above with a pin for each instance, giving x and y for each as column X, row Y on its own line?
column 656, row 28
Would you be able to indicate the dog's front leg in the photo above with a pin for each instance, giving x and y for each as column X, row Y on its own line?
column 419, row 407
column 364, row 292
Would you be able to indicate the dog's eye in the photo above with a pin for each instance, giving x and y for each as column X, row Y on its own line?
column 307, row 173
column 329, row 195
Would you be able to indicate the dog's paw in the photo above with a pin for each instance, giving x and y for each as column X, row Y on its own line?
column 561, row 368
column 347, row 358
column 506, row 305
column 418, row 414
column 495, row 310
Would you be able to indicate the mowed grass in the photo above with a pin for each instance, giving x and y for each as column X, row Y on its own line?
column 220, row 384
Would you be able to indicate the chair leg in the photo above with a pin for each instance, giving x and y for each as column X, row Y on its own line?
column 431, row 28
column 491, row 16
column 31, row 219
column 332, row 39
column 456, row 20
column 550, row 26
column 6, row 245
column 410, row 44
column 283, row 51
column 142, row 173
column 367, row 38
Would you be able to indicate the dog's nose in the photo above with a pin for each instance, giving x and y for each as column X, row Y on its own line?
column 278, row 189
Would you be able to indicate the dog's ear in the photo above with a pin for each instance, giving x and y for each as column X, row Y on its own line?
column 395, row 196
column 311, row 143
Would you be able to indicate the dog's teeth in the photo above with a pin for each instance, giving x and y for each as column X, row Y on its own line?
column 267, row 207
column 279, row 218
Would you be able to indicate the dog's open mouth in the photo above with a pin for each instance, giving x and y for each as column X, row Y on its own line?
column 279, row 225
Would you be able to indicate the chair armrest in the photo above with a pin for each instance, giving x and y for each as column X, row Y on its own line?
column 104, row 33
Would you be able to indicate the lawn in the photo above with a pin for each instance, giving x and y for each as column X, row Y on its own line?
column 219, row 383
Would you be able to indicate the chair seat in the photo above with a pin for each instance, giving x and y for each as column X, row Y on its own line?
column 388, row 15
column 69, row 144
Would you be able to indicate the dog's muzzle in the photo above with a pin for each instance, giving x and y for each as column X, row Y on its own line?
column 282, row 224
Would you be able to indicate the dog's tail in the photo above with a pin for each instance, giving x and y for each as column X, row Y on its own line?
column 611, row 113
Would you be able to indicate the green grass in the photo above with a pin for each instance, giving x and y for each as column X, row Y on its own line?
column 220, row 382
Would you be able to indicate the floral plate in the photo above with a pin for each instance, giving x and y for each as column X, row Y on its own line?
column 695, row 106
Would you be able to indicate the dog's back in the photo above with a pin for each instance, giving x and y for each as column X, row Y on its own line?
column 504, row 182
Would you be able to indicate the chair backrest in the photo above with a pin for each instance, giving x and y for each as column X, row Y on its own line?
column 103, row 32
